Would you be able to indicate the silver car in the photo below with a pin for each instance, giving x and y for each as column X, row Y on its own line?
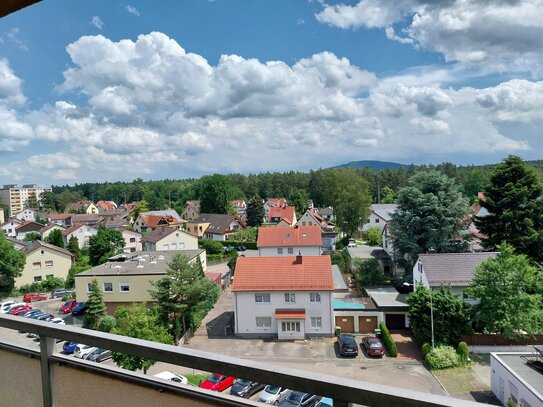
column 273, row 394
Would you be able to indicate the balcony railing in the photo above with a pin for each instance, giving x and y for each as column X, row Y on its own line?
column 343, row 391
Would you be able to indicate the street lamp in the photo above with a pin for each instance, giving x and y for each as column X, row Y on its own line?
column 406, row 284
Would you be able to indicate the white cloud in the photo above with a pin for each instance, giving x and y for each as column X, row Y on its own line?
column 502, row 34
column 97, row 22
column 132, row 10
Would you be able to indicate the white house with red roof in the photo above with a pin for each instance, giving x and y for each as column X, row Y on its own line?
column 289, row 241
column 286, row 297
column 273, row 203
column 282, row 216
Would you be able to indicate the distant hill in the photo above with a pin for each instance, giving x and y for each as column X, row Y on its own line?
column 374, row 165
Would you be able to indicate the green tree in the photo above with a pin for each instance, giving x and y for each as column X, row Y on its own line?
column 31, row 202
column 373, row 236
column 81, row 264
column 509, row 290
column 138, row 321
column 299, row 199
column 56, row 238
column 515, row 208
column 48, row 201
column 347, row 192
column 255, row 211
column 96, row 308
column 32, row 236
column 387, row 195
column 12, row 262
column 249, row 234
column 451, row 315
column 215, row 192
column 73, row 247
column 103, row 245
column 183, row 296
column 430, row 214
column 367, row 272
column 142, row 206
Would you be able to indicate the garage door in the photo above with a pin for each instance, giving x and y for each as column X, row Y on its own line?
column 346, row 324
column 367, row 324
column 395, row 321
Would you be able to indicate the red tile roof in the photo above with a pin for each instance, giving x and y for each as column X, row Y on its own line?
column 153, row 221
column 278, row 202
column 287, row 213
column 282, row 236
column 312, row 273
column 60, row 216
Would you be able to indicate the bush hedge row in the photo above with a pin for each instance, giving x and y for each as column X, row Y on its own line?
column 388, row 341
column 235, row 243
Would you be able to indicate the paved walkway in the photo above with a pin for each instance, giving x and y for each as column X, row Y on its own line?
column 407, row 347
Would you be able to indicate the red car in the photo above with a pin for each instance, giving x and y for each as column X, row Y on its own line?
column 218, row 382
column 67, row 307
column 20, row 310
column 30, row 297
column 373, row 346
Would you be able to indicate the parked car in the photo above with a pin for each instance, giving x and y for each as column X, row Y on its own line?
column 299, row 399
column 67, row 307
column 69, row 347
column 98, row 355
column 20, row 310
column 273, row 394
column 30, row 297
column 217, row 382
column 57, row 320
column 172, row 377
column 352, row 243
column 34, row 311
column 45, row 317
column 14, row 306
column 81, row 350
column 79, row 308
column 60, row 292
column 245, row 388
column 347, row 345
column 373, row 346
column 241, row 248
column 325, row 402
column 6, row 305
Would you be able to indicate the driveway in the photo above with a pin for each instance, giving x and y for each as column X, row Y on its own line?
column 363, row 251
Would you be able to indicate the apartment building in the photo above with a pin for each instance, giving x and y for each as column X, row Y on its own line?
column 16, row 197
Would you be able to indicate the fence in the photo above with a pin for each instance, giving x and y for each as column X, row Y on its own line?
column 498, row 340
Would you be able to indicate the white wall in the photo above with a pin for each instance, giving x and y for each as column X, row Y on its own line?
column 304, row 250
column 83, row 235
column 374, row 222
column 247, row 310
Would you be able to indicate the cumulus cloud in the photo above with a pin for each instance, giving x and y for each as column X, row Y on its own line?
column 132, row 10
column 97, row 22
column 503, row 34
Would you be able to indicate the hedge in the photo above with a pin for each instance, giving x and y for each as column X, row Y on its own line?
column 235, row 243
column 442, row 357
column 426, row 348
column 463, row 352
column 388, row 341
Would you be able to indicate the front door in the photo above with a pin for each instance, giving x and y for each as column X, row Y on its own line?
column 290, row 329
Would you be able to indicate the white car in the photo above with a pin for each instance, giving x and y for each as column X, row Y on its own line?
column 58, row 320
column 172, row 377
column 272, row 394
column 7, row 306
column 83, row 350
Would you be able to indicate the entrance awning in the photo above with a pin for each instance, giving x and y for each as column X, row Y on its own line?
column 290, row 314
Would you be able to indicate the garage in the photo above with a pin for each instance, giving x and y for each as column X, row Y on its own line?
column 367, row 324
column 395, row 321
column 345, row 323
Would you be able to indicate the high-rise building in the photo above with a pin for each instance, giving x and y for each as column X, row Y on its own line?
column 17, row 197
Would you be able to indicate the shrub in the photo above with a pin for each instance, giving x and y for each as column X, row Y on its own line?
column 463, row 352
column 236, row 243
column 211, row 246
column 107, row 323
column 388, row 341
column 426, row 348
column 373, row 236
column 48, row 284
column 442, row 357
column 367, row 272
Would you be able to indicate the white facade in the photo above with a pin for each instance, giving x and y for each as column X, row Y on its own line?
column 83, row 234
column 179, row 240
column 513, row 382
column 17, row 197
column 132, row 241
column 233, row 227
column 27, row 214
column 290, row 251
column 256, row 314
column 374, row 221
column 10, row 226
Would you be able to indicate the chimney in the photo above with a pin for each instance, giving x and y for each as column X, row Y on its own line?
column 298, row 259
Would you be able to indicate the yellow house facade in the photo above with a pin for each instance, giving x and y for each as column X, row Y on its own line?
column 44, row 260
column 196, row 228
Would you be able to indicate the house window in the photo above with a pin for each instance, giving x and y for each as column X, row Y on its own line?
column 316, row 322
column 314, row 297
column 48, row 264
column 37, row 279
column 303, row 223
column 263, row 322
column 279, row 250
column 89, row 287
column 132, row 240
column 290, row 297
column 262, row 297
column 376, row 220
column 310, row 223
column 290, row 326
column 290, row 250
column 124, row 287
column 42, row 252
column 36, row 265
column 49, row 276
column 108, row 287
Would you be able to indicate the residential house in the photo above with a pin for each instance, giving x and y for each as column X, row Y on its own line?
column 27, row 227
column 106, row 206
column 192, row 210
column 282, row 216
column 387, row 240
column 168, row 238
column 147, row 221
column 329, row 235
column 475, row 236
column 286, row 297
column 273, row 203
column 132, row 241
column 380, row 215
column 213, row 226
column 27, row 214
column 454, row 270
column 326, row 213
column 84, row 206
column 127, row 278
column 17, row 198
column 10, row 226
column 82, row 232
column 61, row 219
column 289, row 241
column 91, row 219
column 46, row 230
column 44, row 260
column 392, row 306
column 240, row 206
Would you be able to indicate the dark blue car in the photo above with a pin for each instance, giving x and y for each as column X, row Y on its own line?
column 79, row 309
column 69, row 347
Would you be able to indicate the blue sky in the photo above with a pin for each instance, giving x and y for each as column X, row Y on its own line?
column 106, row 91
